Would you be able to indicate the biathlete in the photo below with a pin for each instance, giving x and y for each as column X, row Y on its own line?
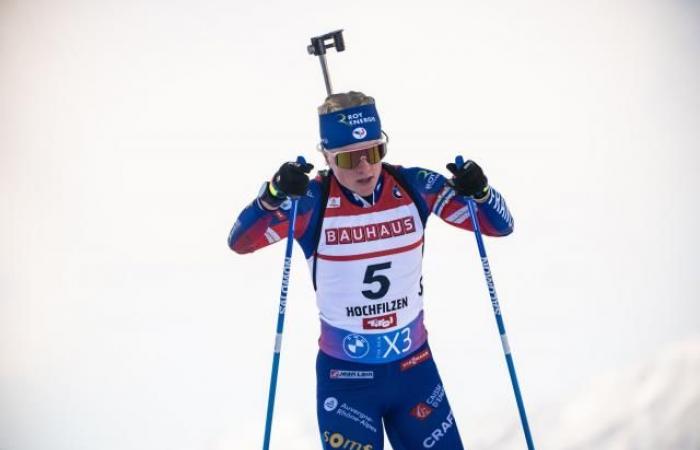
column 361, row 226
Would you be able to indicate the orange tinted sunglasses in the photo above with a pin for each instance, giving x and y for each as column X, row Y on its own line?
column 350, row 160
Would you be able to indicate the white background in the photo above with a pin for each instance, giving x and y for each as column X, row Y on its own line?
column 132, row 134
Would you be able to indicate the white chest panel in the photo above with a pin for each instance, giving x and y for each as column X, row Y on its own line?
column 369, row 260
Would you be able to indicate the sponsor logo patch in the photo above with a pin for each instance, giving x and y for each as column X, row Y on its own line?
column 355, row 415
column 359, row 133
column 377, row 308
column 439, row 432
column 333, row 202
column 330, row 404
column 430, row 178
column 355, row 346
column 353, row 119
column 337, row 440
column 436, row 397
column 371, row 232
column 338, row 374
column 413, row 360
column 379, row 323
column 421, row 411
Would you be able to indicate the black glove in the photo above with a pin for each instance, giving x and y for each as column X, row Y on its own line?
column 469, row 180
column 290, row 179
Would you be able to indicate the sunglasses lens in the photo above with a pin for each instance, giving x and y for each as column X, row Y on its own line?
column 350, row 160
column 344, row 160
column 376, row 153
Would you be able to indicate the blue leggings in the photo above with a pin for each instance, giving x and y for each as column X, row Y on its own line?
column 356, row 402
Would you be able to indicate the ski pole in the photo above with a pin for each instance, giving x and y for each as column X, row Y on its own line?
column 280, row 318
column 318, row 48
column 459, row 161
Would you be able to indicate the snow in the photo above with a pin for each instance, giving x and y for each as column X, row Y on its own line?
column 651, row 405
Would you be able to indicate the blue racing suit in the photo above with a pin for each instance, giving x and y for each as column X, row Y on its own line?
column 375, row 370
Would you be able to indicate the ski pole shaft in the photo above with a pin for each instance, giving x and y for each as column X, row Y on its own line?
column 280, row 320
column 499, row 318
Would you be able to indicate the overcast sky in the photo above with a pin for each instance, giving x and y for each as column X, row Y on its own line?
column 133, row 133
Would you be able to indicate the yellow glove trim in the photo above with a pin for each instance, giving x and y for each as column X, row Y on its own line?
column 273, row 191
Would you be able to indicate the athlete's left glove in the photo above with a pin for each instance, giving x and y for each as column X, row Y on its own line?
column 291, row 179
column 469, row 180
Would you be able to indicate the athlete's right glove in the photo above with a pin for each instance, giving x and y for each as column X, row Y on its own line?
column 469, row 180
column 291, row 179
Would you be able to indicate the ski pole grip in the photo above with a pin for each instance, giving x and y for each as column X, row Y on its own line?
column 301, row 160
column 459, row 161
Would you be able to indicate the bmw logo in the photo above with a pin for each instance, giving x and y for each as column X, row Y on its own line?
column 355, row 346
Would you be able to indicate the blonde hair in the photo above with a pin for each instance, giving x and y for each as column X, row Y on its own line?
column 338, row 102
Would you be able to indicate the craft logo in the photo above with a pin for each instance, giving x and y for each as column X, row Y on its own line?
column 371, row 232
column 421, row 411
column 439, row 432
column 355, row 346
column 414, row 360
column 338, row 374
column 397, row 192
column 337, row 440
column 359, row 133
column 379, row 323
column 330, row 404
column 333, row 202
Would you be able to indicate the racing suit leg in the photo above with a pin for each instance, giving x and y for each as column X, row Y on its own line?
column 420, row 416
column 349, row 404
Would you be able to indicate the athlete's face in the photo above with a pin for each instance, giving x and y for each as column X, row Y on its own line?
column 361, row 179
